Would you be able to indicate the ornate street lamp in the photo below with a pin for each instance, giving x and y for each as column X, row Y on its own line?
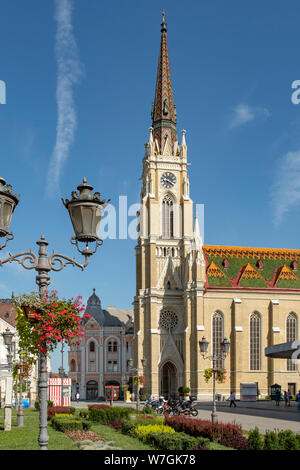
column 85, row 210
column 20, row 414
column 8, row 341
column 61, row 373
column 225, row 345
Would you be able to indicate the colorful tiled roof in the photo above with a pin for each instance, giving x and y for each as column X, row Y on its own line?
column 164, row 113
column 249, row 267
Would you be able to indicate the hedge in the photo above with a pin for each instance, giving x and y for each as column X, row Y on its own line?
column 111, row 413
column 177, row 441
column 99, row 407
column 272, row 440
column 141, row 431
column 226, row 434
column 37, row 404
column 70, row 424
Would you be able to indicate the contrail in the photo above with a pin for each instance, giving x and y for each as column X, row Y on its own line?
column 69, row 71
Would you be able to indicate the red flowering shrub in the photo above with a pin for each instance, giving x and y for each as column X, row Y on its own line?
column 98, row 406
column 230, row 435
column 116, row 424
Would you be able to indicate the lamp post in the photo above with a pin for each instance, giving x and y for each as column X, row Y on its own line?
column 8, row 341
column 130, row 363
column 61, row 370
column 85, row 210
column 20, row 414
column 225, row 345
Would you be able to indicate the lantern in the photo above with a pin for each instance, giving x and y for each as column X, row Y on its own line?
column 8, row 202
column 203, row 345
column 225, row 345
column 85, row 210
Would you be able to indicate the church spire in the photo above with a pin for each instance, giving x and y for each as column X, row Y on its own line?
column 164, row 110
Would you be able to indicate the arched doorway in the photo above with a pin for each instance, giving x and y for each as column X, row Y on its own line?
column 92, row 390
column 168, row 380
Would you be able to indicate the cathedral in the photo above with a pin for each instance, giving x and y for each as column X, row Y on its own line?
column 186, row 291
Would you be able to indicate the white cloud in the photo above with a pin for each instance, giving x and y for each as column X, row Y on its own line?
column 244, row 113
column 68, row 74
column 285, row 191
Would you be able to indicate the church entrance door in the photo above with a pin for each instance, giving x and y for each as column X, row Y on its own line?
column 92, row 390
column 168, row 381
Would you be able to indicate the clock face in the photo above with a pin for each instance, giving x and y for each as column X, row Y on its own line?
column 168, row 179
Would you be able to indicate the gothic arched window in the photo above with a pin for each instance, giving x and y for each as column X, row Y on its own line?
column 92, row 346
column 217, row 336
column 291, row 335
column 167, row 217
column 115, row 346
column 255, row 341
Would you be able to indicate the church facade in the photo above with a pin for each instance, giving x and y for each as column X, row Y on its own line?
column 186, row 290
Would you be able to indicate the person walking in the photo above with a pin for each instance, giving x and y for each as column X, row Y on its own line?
column 289, row 397
column 285, row 397
column 277, row 397
column 232, row 400
column 298, row 400
column 77, row 397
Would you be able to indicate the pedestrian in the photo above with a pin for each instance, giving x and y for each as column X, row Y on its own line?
column 77, row 397
column 289, row 397
column 277, row 396
column 232, row 400
column 285, row 397
column 298, row 400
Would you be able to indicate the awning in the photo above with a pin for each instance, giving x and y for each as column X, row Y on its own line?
column 289, row 350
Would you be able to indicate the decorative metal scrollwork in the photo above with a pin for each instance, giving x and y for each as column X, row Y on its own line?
column 26, row 256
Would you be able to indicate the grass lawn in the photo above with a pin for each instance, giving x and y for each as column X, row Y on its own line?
column 27, row 438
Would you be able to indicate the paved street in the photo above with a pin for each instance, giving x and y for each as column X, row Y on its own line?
column 263, row 414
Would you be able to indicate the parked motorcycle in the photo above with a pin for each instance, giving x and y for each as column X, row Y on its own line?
column 187, row 407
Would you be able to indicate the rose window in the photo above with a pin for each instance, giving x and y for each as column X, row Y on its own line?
column 168, row 320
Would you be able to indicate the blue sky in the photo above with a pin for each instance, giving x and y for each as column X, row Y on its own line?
column 232, row 66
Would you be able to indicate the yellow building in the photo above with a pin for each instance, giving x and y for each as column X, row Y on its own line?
column 186, row 290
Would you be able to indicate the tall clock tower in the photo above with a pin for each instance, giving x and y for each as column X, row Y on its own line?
column 168, row 301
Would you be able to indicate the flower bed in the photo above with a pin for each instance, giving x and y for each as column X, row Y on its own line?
column 58, row 410
column 151, row 430
column 83, row 435
column 226, row 434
